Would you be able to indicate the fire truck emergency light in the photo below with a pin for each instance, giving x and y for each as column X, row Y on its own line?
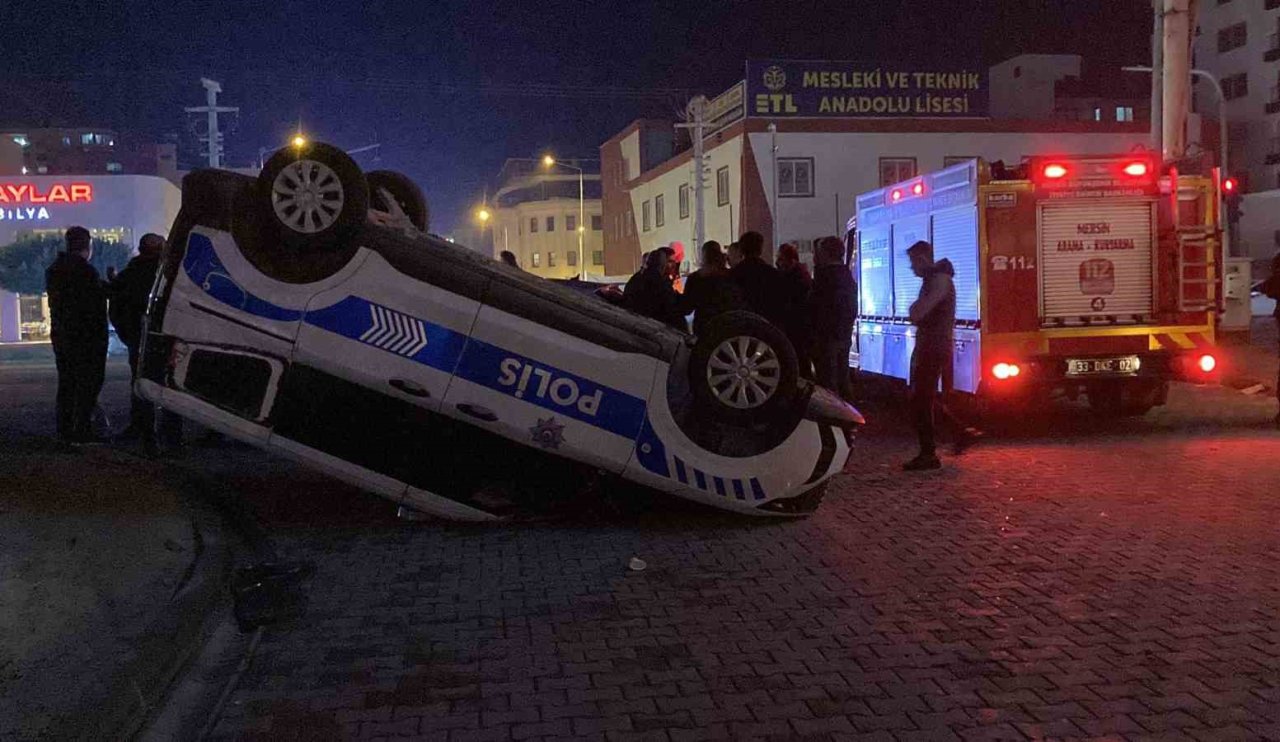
column 1003, row 371
column 1055, row 171
column 1136, row 169
column 1208, row 363
column 1228, row 185
column 896, row 195
column 917, row 189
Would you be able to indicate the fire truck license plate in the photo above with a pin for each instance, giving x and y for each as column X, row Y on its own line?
column 1093, row 366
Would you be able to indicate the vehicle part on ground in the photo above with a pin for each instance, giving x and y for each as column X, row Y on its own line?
column 315, row 195
column 396, row 195
column 743, row 369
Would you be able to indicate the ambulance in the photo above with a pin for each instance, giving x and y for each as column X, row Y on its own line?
column 1081, row 275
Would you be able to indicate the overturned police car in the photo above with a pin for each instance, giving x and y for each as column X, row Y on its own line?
column 308, row 311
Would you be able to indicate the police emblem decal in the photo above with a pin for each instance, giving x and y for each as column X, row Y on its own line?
column 548, row 433
column 774, row 78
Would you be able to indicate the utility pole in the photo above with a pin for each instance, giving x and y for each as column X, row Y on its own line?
column 696, row 110
column 212, row 109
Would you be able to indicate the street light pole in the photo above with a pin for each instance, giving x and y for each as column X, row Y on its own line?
column 550, row 161
column 1222, row 140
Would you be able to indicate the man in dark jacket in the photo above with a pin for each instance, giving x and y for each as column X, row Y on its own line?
column 762, row 286
column 796, row 283
column 78, row 309
column 649, row 292
column 710, row 291
column 833, row 306
column 129, row 292
column 934, row 315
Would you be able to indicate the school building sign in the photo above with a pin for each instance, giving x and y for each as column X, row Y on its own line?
column 842, row 89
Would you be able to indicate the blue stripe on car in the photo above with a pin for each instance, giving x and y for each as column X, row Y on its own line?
column 206, row 270
column 354, row 318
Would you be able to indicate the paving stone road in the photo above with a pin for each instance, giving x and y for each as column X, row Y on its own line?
column 1076, row 580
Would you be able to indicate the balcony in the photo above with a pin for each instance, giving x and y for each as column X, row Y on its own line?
column 1273, row 152
column 1273, row 48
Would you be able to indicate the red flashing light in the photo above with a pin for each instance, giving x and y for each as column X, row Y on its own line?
column 896, row 195
column 1136, row 169
column 1004, row 371
column 1055, row 171
column 1229, row 185
column 917, row 189
column 1207, row 363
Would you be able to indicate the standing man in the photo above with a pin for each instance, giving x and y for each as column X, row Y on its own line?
column 796, row 283
column 833, row 307
column 129, row 292
column 650, row 293
column 762, row 286
column 934, row 315
column 709, row 291
column 78, row 309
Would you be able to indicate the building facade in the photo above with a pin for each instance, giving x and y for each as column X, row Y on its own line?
column 118, row 208
column 535, row 214
column 794, row 178
column 86, row 151
column 1238, row 42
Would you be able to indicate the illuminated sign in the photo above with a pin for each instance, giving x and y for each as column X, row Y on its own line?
column 24, row 214
column 816, row 89
column 14, row 194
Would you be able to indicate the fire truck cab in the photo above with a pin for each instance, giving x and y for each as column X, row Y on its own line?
column 1082, row 274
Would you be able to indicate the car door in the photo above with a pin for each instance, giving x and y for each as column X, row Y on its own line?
column 541, row 373
column 371, row 366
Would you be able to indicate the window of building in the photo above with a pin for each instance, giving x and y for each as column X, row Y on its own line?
column 722, row 186
column 1232, row 37
column 1124, row 113
column 597, row 257
column 21, row 140
column 115, row 167
column 1235, row 86
column 896, row 169
column 66, row 141
column 795, row 177
column 597, row 222
column 571, row 257
column 551, row 224
column 533, row 224
column 537, row 260
column 659, row 210
column 950, row 160
column 682, row 196
column 1017, row 71
column 1097, row 114
column 571, row 222
column 645, row 213
column 551, row 258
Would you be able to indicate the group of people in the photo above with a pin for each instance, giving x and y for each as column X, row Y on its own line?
column 80, row 305
column 816, row 312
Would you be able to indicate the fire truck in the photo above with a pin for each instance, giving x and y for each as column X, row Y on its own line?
column 1093, row 275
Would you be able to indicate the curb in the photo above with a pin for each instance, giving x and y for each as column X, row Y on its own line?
column 173, row 637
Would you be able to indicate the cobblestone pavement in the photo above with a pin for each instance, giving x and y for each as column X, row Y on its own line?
column 1078, row 580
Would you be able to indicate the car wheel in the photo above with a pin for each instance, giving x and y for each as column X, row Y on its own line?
column 314, row 195
column 395, row 194
column 743, row 370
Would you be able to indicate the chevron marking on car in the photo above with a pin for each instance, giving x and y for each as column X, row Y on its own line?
column 395, row 332
column 653, row 455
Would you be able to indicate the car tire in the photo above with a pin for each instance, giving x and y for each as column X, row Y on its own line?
column 743, row 369
column 406, row 194
column 314, row 196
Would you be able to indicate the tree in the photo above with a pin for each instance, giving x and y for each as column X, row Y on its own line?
column 22, row 264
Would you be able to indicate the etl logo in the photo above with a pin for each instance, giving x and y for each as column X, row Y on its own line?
column 541, row 383
column 775, row 103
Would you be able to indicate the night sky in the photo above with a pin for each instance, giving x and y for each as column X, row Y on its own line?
column 450, row 89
